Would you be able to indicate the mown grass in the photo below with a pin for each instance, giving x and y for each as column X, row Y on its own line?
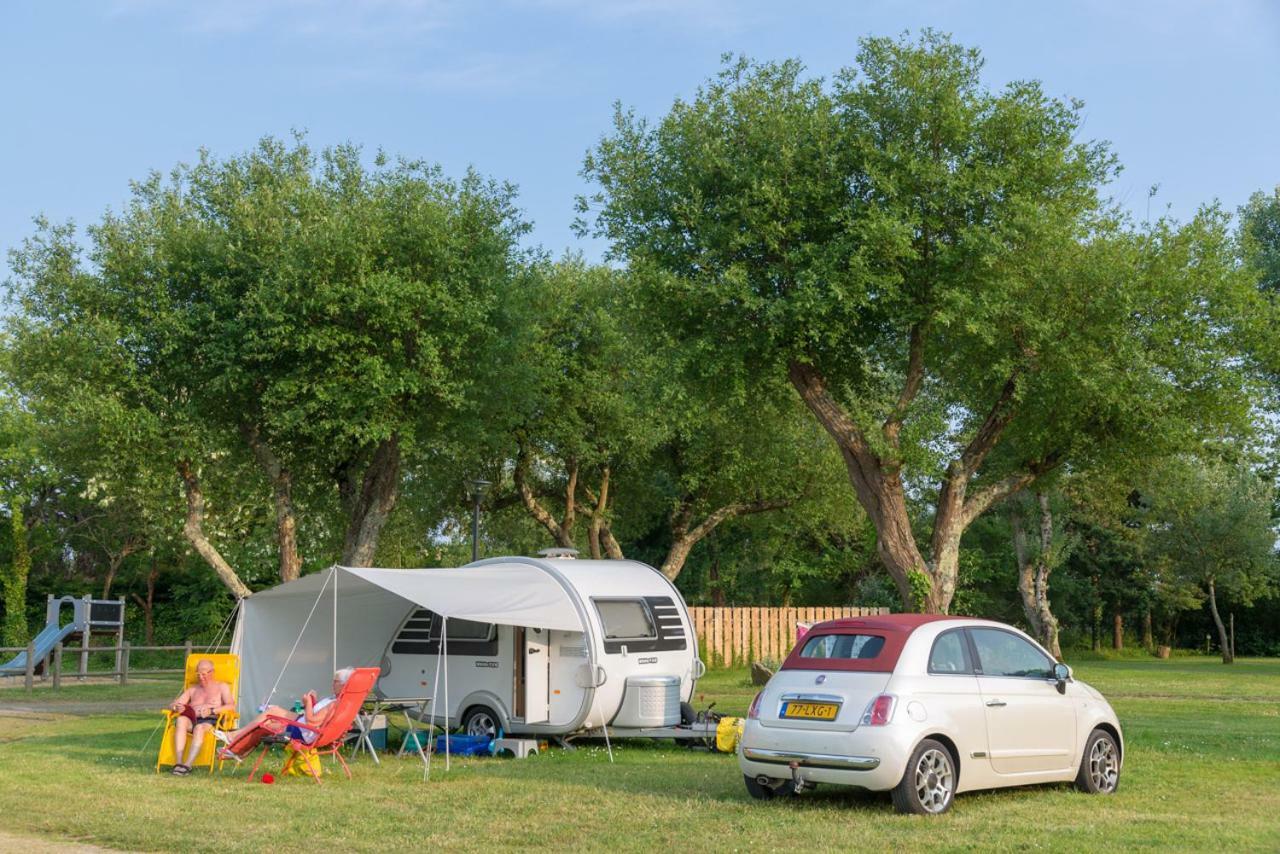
column 1202, row 772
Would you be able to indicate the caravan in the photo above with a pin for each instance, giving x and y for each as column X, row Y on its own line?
column 522, row 645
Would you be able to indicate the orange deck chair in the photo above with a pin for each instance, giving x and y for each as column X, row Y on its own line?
column 226, row 668
column 330, row 736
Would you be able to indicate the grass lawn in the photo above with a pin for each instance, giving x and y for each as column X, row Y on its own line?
column 1202, row 772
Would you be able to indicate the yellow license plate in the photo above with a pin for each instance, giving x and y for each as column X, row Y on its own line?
column 812, row 711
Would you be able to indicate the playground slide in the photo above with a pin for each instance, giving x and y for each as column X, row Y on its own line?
column 44, row 643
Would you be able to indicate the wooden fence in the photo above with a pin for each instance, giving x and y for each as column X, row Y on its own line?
column 728, row 636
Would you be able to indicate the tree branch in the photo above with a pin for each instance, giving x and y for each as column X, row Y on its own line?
column 910, row 388
column 978, row 502
column 998, row 418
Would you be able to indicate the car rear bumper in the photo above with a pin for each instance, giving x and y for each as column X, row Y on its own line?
column 811, row 760
column 868, row 758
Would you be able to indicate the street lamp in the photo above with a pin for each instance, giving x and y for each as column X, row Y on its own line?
column 478, row 487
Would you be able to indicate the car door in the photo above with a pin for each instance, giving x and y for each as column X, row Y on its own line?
column 1030, row 726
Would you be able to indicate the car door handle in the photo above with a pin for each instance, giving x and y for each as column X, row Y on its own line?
column 994, row 703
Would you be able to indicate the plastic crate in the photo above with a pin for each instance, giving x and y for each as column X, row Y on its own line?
column 465, row 745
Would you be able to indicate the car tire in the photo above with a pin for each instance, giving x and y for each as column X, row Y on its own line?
column 481, row 720
column 928, row 786
column 1099, row 765
column 767, row 793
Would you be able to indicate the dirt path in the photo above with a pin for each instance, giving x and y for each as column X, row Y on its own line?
column 79, row 708
column 42, row 845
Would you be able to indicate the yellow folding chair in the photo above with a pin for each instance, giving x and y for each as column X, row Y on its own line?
column 226, row 668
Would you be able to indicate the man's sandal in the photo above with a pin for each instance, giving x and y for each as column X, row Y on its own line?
column 181, row 770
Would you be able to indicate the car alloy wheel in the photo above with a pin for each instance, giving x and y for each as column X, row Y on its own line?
column 1104, row 769
column 934, row 780
column 929, row 784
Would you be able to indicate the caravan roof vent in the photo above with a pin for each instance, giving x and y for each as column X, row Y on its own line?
column 558, row 553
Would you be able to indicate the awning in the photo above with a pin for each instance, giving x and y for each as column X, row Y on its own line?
column 355, row 625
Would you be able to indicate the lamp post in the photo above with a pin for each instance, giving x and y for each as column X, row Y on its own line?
column 478, row 487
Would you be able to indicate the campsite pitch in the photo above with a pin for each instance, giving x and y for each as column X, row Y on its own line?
column 1203, row 771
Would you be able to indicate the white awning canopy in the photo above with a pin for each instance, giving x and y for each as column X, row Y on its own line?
column 349, row 614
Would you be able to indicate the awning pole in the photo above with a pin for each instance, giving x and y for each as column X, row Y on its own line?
column 444, row 637
column 435, row 692
column 335, row 619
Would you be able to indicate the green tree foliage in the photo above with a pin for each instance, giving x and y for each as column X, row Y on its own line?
column 1210, row 526
column 933, row 267
column 284, row 307
column 1260, row 237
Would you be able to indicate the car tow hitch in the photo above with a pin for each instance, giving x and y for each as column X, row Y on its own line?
column 798, row 783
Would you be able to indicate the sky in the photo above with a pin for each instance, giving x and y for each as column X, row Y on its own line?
column 94, row 95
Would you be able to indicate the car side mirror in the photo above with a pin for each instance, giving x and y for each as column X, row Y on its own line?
column 1061, row 673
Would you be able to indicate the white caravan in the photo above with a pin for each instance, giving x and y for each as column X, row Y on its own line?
column 531, row 646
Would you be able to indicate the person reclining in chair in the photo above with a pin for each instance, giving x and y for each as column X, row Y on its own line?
column 315, row 713
column 198, row 708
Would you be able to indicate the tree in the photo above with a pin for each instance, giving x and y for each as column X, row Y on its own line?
column 1211, row 526
column 932, row 267
column 1260, row 238
column 295, row 310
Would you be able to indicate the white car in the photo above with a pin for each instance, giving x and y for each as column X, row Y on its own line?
column 926, row 707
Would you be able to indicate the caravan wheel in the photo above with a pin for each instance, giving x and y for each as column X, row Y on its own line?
column 480, row 720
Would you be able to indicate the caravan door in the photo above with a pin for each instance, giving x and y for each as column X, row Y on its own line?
column 537, row 663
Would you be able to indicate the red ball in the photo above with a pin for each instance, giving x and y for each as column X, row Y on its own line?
column 268, row 778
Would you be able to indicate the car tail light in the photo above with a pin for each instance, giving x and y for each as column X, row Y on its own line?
column 880, row 710
column 754, row 712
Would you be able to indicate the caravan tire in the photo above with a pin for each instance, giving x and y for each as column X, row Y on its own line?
column 687, row 714
column 480, row 720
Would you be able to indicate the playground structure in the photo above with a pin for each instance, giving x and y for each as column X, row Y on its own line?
column 89, row 617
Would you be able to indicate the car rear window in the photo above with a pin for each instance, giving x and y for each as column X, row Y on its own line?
column 842, row 646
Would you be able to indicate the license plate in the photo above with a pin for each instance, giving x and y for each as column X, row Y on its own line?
column 811, row 711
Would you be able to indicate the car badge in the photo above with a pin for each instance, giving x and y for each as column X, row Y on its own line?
column 822, row 677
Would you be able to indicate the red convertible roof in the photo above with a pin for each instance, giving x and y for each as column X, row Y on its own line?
column 894, row 629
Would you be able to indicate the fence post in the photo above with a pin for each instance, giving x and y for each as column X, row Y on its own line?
column 29, row 675
column 122, row 653
column 85, row 634
column 186, row 654
column 57, row 666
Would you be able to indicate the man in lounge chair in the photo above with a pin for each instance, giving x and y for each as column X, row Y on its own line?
column 197, row 708
column 315, row 712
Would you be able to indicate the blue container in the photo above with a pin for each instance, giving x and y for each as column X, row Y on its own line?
column 465, row 745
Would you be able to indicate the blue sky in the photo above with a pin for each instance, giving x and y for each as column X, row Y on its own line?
column 95, row 94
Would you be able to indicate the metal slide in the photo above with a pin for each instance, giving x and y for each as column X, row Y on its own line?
column 44, row 643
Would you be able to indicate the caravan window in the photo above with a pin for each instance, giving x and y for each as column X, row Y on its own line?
column 625, row 619
column 463, row 630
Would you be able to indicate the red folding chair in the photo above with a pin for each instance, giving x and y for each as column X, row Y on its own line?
column 331, row 734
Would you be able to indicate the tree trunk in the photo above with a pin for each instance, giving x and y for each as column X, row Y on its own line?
column 599, row 505
column 713, row 576
column 147, row 605
column 560, row 531
column 193, row 530
column 282, row 487
column 1044, row 566
column 115, row 559
column 1026, row 574
column 15, row 580
column 1223, row 642
column 1117, row 629
column 925, row 585
column 1148, row 639
column 369, row 507
column 684, row 538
